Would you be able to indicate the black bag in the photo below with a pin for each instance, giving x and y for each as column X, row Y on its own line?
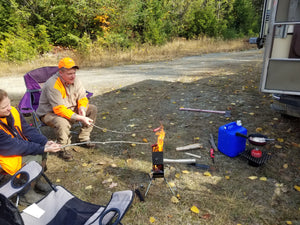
column 9, row 213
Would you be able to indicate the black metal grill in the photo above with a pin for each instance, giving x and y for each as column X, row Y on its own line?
column 255, row 161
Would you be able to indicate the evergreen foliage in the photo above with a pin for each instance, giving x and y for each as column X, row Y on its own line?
column 32, row 27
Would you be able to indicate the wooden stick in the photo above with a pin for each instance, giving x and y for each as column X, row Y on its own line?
column 180, row 161
column 196, row 156
column 189, row 147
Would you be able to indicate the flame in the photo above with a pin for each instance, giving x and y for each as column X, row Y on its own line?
column 160, row 138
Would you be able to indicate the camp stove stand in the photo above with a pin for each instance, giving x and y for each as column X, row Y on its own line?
column 157, row 167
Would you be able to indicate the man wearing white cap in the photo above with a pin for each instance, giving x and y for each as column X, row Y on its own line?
column 63, row 101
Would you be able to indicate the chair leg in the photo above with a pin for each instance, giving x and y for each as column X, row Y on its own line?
column 36, row 121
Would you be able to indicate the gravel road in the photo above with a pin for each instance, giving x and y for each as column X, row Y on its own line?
column 100, row 80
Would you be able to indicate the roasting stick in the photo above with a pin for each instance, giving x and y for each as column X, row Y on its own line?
column 104, row 142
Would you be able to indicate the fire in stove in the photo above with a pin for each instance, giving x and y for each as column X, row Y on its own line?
column 157, row 154
column 158, row 158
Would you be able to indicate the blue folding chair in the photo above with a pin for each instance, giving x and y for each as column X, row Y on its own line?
column 59, row 206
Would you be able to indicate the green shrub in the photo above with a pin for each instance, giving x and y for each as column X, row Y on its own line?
column 14, row 48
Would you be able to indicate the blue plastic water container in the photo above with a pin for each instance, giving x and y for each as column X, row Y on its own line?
column 230, row 144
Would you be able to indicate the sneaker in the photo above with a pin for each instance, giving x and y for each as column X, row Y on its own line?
column 42, row 187
column 30, row 197
column 88, row 144
column 66, row 155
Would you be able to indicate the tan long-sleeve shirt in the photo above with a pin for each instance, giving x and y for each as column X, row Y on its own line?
column 62, row 99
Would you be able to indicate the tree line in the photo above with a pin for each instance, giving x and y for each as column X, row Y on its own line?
column 32, row 27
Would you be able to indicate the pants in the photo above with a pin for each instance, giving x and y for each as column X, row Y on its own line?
column 62, row 126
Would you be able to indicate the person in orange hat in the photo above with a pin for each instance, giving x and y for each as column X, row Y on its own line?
column 63, row 101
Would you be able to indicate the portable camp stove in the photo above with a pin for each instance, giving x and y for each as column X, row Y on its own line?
column 255, row 161
column 158, row 160
column 255, row 156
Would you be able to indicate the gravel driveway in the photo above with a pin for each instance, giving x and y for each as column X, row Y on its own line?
column 100, row 80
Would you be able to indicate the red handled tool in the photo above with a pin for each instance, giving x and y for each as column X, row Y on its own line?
column 212, row 155
column 213, row 148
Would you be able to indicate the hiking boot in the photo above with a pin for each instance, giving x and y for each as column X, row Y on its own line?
column 42, row 187
column 30, row 197
column 66, row 155
column 88, row 144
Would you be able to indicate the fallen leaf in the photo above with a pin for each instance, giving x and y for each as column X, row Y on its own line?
column 285, row 166
column 227, row 177
column 289, row 222
column 280, row 140
column 258, row 129
column 133, row 135
column 112, row 185
column 278, row 146
column 252, row 177
column 177, row 175
column 194, row 209
column 174, row 200
column 185, row 171
column 251, row 114
column 152, row 219
column 57, row 180
column 263, row 178
column 295, row 144
column 104, row 130
column 196, row 138
column 171, row 184
column 107, row 181
column 145, row 140
column 208, row 174
column 206, row 216
column 275, row 119
column 84, row 164
column 113, row 165
column 104, row 117
column 89, row 187
column 297, row 188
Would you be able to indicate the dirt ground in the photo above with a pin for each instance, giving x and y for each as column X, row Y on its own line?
column 129, row 113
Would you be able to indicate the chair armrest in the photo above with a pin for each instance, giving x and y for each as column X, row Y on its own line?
column 117, row 207
column 27, row 173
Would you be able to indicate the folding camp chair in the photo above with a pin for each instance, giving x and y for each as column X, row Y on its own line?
column 34, row 81
column 58, row 207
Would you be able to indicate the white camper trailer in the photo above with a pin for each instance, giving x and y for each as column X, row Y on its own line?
column 280, row 35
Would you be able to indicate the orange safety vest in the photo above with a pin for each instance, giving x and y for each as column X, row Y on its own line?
column 11, row 164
